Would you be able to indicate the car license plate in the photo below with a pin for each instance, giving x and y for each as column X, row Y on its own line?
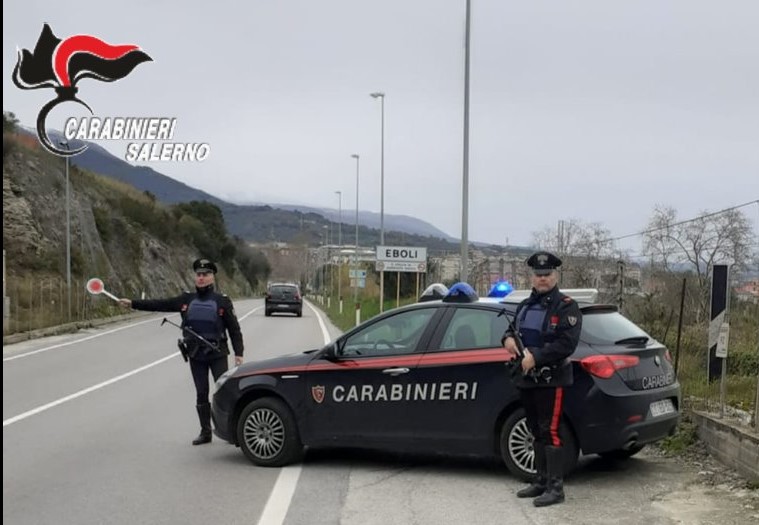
column 660, row 408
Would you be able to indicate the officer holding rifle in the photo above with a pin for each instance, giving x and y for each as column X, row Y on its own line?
column 207, row 316
column 548, row 323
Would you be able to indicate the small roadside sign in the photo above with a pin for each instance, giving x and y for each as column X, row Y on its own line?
column 722, row 340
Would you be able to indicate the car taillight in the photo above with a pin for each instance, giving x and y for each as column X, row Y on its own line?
column 668, row 356
column 297, row 297
column 268, row 296
column 604, row 366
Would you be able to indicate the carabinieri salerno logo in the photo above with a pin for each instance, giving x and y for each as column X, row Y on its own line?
column 60, row 64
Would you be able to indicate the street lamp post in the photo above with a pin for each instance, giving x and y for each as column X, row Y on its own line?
column 325, row 249
column 355, row 253
column 381, row 96
column 340, row 249
column 65, row 144
column 465, row 183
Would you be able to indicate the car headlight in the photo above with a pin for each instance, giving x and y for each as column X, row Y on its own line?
column 223, row 378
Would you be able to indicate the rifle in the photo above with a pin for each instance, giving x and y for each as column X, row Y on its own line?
column 183, row 345
column 515, row 365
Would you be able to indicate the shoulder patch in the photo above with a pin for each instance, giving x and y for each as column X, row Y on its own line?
column 567, row 299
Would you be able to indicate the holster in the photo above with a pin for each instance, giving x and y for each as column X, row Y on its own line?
column 197, row 349
column 183, row 349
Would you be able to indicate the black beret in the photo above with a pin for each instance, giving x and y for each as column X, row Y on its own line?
column 543, row 263
column 203, row 265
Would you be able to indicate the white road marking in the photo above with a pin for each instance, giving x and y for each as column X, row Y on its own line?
column 100, row 334
column 75, row 395
column 281, row 496
column 67, row 343
column 246, row 315
column 323, row 326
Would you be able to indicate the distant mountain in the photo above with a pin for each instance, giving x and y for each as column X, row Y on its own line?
column 402, row 223
column 260, row 222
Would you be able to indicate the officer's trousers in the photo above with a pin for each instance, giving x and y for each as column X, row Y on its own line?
column 543, row 406
column 200, row 369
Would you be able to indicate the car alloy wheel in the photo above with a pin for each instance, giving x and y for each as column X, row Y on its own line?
column 264, row 433
column 268, row 434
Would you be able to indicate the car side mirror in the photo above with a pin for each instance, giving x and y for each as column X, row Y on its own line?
column 332, row 352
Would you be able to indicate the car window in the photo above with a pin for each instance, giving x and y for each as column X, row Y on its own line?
column 474, row 328
column 607, row 327
column 284, row 289
column 397, row 334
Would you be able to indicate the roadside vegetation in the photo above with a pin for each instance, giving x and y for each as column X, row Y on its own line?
column 117, row 232
column 675, row 252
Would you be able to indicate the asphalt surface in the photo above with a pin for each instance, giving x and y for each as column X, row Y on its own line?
column 97, row 429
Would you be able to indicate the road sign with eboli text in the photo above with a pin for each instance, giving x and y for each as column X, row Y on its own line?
column 401, row 259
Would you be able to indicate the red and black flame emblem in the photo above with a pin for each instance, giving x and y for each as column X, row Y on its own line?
column 60, row 64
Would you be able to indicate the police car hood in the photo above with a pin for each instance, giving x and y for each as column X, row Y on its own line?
column 283, row 362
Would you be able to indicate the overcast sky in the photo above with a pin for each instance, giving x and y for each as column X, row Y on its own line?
column 596, row 110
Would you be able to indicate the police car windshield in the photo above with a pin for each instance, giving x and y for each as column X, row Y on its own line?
column 607, row 327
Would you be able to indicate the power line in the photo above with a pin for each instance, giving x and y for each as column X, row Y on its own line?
column 683, row 222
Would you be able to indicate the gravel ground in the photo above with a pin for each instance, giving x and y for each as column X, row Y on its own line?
column 731, row 498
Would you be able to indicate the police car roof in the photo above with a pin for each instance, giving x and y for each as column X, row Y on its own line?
column 581, row 295
column 584, row 296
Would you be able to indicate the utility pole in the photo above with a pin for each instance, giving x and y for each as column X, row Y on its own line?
column 464, row 270
column 340, row 249
column 620, row 299
column 355, row 253
column 65, row 144
column 381, row 96
column 560, row 245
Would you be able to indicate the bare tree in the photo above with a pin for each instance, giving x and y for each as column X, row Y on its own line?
column 700, row 244
column 586, row 248
column 658, row 242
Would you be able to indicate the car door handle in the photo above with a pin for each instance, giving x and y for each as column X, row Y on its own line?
column 395, row 371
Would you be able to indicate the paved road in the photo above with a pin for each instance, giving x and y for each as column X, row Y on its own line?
column 97, row 429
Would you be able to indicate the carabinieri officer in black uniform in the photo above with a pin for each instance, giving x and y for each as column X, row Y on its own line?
column 210, row 315
column 549, row 325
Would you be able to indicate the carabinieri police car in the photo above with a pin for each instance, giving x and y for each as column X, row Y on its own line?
column 432, row 377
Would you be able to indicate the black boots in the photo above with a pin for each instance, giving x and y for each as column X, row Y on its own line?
column 554, row 492
column 204, row 415
column 539, row 485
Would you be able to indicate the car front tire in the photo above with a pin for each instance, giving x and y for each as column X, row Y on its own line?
column 268, row 434
column 517, row 447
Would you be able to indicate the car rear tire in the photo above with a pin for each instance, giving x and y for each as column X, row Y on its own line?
column 300, row 313
column 622, row 454
column 267, row 313
column 268, row 434
column 516, row 445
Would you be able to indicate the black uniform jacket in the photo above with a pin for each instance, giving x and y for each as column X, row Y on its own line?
column 560, row 333
column 180, row 304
